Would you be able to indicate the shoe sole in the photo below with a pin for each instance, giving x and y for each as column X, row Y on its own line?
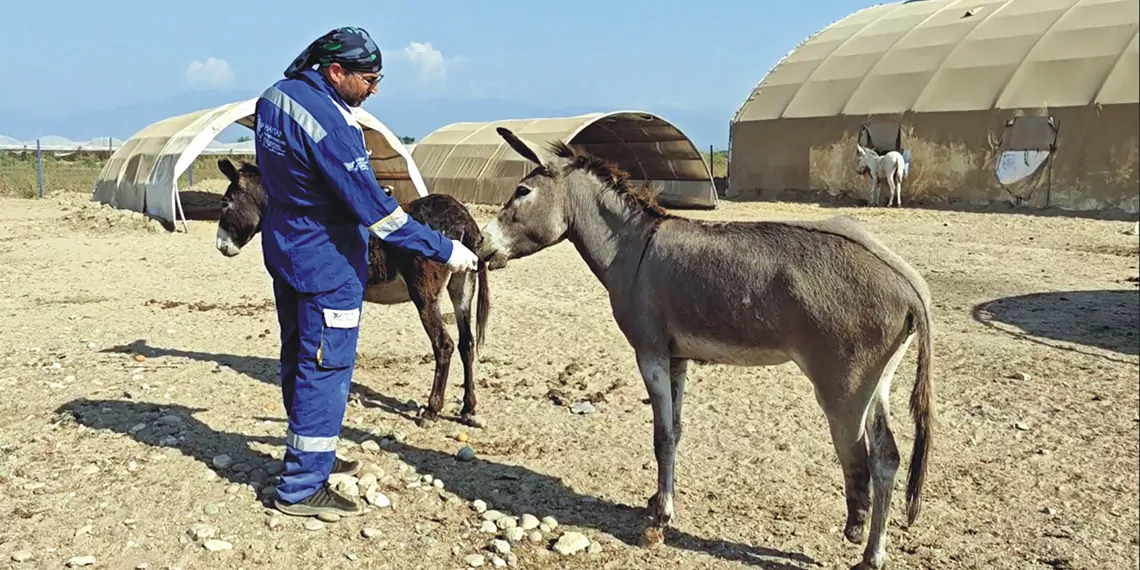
column 350, row 472
column 299, row 510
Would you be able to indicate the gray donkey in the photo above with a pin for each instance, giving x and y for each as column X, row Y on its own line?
column 824, row 294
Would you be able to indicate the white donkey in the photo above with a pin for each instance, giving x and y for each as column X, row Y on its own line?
column 891, row 167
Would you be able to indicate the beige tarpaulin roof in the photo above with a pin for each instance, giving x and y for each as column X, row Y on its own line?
column 142, row 175
column 471, row 162
column 958, row 55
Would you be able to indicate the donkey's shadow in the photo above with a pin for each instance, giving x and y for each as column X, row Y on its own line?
column 523, row 491
column 533, row 491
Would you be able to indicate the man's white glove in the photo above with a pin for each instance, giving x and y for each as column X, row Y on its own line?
column 461, row 258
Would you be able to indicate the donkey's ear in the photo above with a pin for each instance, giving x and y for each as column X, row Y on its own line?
column 228, row 169
column 528, row 150
column 250, row 168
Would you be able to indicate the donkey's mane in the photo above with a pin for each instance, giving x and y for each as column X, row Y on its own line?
column 613, row 177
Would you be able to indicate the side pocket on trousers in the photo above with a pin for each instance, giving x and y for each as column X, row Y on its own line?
column 339, row 334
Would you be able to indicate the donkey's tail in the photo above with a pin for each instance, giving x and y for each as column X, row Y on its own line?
column 484, row 301
column 922, row 409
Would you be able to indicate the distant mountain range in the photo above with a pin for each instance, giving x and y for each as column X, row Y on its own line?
column 405, row 116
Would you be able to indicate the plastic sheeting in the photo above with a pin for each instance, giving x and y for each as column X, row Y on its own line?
column 142, row 175
column 956, row 55
column 472, row 163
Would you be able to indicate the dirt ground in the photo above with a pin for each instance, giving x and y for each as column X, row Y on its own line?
column 1035, row 462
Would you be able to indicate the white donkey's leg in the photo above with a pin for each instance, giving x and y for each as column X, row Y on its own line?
column 898, row 186
column 890, row 189
column 874, row 194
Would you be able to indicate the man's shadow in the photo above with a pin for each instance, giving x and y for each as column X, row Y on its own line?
column 530, row 491
column 267, row 370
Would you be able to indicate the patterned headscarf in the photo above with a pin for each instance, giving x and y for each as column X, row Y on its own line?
column 351, row 47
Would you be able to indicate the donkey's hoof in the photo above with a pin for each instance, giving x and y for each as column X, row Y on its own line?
column 427, row 418
column 474, row 421
column 652, row 537
column 866, row 566
column 854, row 533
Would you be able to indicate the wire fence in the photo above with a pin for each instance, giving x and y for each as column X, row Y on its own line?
column 28, row 173
column 717, row 161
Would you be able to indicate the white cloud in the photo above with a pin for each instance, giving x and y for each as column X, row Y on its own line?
column 429, row 62
column 210, row 73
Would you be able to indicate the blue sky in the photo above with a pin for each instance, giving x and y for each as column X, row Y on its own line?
column 700, row 59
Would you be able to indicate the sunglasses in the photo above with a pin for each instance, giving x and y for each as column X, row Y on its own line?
column 372, row 81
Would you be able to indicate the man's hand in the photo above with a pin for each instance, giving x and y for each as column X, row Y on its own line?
column 461, row 258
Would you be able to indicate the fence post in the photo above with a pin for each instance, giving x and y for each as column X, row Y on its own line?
column 40, row 168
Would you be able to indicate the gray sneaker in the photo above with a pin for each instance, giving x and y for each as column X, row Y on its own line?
column 325, row 500
column 345, row 466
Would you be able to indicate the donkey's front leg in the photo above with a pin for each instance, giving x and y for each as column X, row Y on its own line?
column 678, row 372
column 427, row 303
column 462, row 291
column 656, row 374
column 874, row 194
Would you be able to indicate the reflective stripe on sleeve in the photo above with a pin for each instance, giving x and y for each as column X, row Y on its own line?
column 390, row 223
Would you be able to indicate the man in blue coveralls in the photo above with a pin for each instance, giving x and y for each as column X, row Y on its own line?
column 322, row 202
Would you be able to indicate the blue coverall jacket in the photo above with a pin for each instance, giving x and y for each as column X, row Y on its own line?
column 322, row 194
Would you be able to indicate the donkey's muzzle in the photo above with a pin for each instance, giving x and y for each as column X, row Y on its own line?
column 226, row 245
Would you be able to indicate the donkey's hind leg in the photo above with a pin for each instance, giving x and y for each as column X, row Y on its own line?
column 889, row 179
column 898, row 189
column 462, row 292
column 850, row 441
column 884, row 461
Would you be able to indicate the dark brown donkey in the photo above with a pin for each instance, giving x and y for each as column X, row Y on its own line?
column 823, row 294
column 394, row 276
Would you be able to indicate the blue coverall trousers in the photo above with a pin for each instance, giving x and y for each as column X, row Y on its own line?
column 319, row 333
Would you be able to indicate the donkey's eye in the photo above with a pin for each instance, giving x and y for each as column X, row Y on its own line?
column 521, row 191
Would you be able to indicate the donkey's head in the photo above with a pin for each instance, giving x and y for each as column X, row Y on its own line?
column 242, row 207
column 564, row 183
column 864, row 157
column 537, row 215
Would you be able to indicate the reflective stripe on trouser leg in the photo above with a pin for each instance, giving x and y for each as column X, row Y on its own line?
column 328, row 327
